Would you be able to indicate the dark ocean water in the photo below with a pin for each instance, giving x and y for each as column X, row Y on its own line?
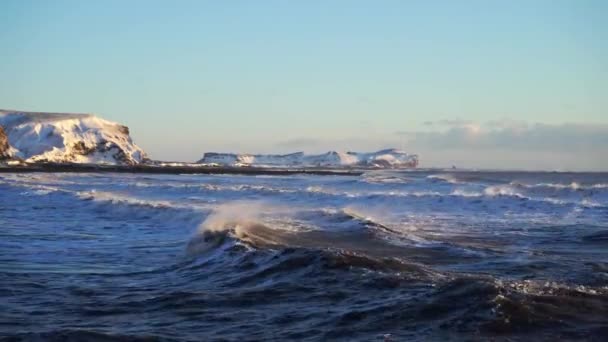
column 388, row 256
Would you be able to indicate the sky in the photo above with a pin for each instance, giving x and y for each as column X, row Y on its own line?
column 483, row 84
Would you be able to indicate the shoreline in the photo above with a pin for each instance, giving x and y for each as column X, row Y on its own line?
column 148, row 169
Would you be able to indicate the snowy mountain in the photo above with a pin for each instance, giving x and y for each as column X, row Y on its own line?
column 389, row 158
column 66, row 138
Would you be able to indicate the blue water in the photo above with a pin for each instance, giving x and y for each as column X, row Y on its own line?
column 390, row 255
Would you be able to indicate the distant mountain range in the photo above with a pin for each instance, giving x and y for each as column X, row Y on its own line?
column 389, row 158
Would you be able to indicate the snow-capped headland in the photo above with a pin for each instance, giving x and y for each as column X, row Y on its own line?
column 54, row 140
column 66, row 138
column 388, row 158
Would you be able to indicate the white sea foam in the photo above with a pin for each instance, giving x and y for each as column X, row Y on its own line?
column 110, row 197
column 445, row 178
column 503, row 190
column 561, row 186
column 465, row 193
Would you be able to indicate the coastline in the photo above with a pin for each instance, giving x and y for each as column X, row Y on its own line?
column 148, row 169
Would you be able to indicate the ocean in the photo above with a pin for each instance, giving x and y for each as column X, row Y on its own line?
column 386, row 256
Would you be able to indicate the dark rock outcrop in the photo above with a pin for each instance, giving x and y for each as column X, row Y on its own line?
column 4, row 146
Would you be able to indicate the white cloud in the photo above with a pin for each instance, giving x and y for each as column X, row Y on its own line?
column 512, row 144
column 515, row 135
column 497, row 144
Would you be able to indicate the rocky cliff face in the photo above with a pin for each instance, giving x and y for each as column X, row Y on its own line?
column 5, row 151
column 68, row 138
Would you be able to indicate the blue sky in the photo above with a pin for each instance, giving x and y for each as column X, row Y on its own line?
column 274, row 76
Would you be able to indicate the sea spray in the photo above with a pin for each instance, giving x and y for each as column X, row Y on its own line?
column 234, row 219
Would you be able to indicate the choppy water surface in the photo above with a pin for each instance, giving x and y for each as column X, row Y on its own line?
column 423, row 255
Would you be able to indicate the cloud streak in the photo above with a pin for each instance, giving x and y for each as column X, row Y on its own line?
column 514, row 135
column 494, row 144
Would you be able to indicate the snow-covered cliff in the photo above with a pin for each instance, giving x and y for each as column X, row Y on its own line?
column 389, row 158
column 66, row 138
column 5, row 148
